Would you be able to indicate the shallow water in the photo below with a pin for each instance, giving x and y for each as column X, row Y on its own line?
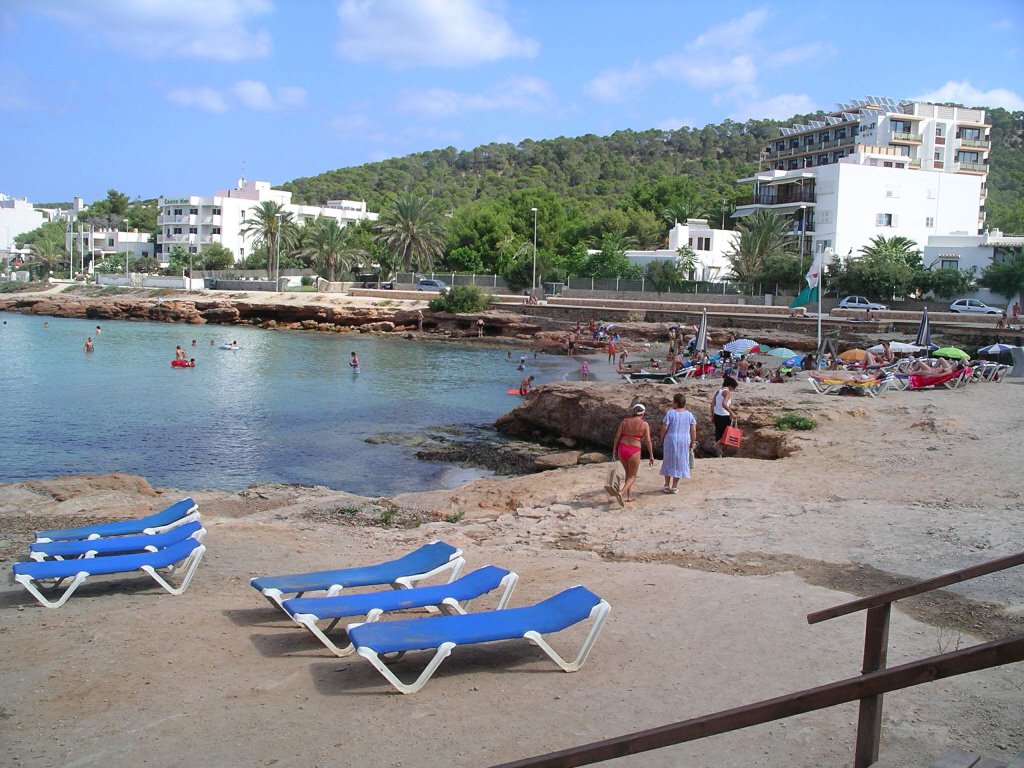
column 283, row 408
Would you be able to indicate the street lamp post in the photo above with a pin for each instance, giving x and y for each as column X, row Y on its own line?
column 126, row 251
column 803, row 230
column 277, row 251
column 533, row 285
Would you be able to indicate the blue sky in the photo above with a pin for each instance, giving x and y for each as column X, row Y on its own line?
column 176, row 96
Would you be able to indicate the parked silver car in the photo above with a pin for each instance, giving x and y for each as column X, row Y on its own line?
column 975, row 307
column 431, row 285
column 860, row 302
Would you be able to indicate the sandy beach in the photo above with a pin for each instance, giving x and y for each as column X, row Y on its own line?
column 709, row 592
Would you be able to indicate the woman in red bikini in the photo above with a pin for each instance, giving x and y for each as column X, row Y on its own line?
column 633, row 433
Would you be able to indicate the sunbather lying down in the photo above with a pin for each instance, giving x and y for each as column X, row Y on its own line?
column 852, row 377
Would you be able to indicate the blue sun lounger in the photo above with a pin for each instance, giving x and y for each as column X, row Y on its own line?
column 453, row 597
column 372, row 640
column 30, row 575
column 184, row 511
column 118, row 545
column 403, row 573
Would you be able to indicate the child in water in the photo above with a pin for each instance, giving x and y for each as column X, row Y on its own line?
column 585, row 370
column 354, row 363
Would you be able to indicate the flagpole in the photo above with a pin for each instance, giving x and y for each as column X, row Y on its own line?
column 821, row 290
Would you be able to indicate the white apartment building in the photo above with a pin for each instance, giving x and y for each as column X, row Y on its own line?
column 876, row 167
column 196, row 221
column 105, row 241
column 964, row 252
column 709, row 245
column 17, row 216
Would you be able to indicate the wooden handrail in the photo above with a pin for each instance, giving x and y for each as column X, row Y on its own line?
column 873, row 601
column 974, row 659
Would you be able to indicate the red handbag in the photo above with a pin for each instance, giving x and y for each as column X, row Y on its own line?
column 732, row 436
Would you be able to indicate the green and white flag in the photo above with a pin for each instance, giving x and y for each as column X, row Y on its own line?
column 810, row 293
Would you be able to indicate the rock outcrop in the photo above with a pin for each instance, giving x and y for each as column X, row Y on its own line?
column 590, row 413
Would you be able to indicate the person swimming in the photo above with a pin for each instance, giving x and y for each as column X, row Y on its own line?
column 88, row 344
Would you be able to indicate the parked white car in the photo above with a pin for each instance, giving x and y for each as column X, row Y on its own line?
column 860, row 302
column 975, row 307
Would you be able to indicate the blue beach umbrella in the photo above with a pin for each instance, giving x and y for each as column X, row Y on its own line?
column 794, row 361
column 780, row 352
column 995, row 349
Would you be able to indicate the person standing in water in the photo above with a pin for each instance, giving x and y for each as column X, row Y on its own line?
column 88, row 344
column 179, row 353
column 354, row 363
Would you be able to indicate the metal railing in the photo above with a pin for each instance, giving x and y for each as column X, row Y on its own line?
column 778, row 196
column 868, row 687
column 904, row 136
column 643, row 285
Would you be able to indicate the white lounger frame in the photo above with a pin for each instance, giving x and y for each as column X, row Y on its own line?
column 189, row 565
column 277, row 597
column 448, row 606
column 192, row 514
column 42, row 557
column 598, row 615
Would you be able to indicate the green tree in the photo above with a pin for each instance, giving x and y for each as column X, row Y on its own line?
column 664, row 275
column 611, row 260
column 460, row 299
column 46, row 256
column 464, row 259
column 1005, row 277
column 51, row 231
column 214, row 256
column 271, row 226
column 410, row 229
column 328, row 248
column 763, row 236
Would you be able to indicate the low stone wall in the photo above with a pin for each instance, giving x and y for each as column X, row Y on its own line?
column 673, row 297
column 672, row 306
column 383, row 293
column 884, row 315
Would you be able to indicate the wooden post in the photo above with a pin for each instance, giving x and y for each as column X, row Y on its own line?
column 869, row 719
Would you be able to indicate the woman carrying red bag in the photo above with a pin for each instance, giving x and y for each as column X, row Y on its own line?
column 722, row 413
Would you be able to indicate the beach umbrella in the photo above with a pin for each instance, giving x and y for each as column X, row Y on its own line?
column 924, row 331
column 782, row 352
column 701, row 340
column 995, row 349
column 853, row 355
column 794, row 361
column 899, row 347
column 952, row 352
column 741, row 346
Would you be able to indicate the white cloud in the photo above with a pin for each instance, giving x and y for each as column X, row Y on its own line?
column 203, row 99
column 253, row 94
column 966, row 94
column 442, row 33
column 705, row 72
column 617, row 85
column 799, row 54
column 737, row 34
column 248, row 94
column 1004, row 25
column 153, row 29
column 780, row 107
column 524, row 94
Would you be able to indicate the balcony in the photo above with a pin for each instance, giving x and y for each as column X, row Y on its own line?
column 975, row 144
column 965, row 167
column 211, row 220
column 778, row 196
column 177, row 238
column 170, row 219
column 915, row 164
column 906, row 138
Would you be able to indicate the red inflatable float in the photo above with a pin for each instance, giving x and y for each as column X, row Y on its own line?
column 183, row 363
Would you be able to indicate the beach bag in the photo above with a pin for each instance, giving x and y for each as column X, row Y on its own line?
column 732, row 436
column 614, row 480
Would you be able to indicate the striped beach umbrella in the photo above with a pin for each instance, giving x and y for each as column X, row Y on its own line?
column 995, row 349
column 701, row 341
column 740, row 346
column 924, row 331
column 782, row 352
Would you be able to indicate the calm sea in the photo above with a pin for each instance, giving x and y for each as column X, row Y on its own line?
column 283, row 408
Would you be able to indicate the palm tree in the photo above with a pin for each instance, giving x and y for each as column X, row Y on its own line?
column 410, row 229
column 762, row 234
column 898, row 247
column 48, row 255
column 328, row 245
column 687, row 261
column 272, row 226
column 675, row 213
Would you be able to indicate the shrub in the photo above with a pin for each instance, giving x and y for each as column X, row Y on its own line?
column 307, row 279
column 461, row 299
column 795, row 421
column 14, row 286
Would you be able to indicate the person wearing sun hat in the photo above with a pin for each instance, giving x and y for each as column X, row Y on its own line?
column 633, row 433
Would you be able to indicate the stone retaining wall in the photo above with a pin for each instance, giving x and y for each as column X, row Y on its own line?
column 674, row 306
column 912, row 316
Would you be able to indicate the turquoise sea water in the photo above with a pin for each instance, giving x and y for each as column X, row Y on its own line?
column 283, row 408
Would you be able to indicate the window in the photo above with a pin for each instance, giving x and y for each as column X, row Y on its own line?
column 938, row 155
column 193, row 211
column 216, row 211
column 241, row 252
column 808, row 139
column 193, row 230
column 840, row 133
column 901, row 126
column 972, row 134
column 940, row 130
column 823, row 137
column 177, row 211
column 216, row 230
column 177, row 230
column 949, row 264
column 929, row 222
column 904, row 150
column 192, row 249
column 885, row 219
column 822, row 159
column 968, row 157
column 110, row 243
column 793, row 165
column 808, row 162
column 794, row 143
column 779, row 146
column 703, row 244
column 837, row 156
column 822, row 245
column 887, row 164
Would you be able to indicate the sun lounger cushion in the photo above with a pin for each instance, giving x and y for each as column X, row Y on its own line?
column 444, row 633
column 552, row 615
column 29, row 575
column 183, row 511
column 114, row 546
column 427, row 558
column 470, row 586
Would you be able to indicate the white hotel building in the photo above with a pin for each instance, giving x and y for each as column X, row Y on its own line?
column 196, row 221
column 876, row 167
column 709, row 246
